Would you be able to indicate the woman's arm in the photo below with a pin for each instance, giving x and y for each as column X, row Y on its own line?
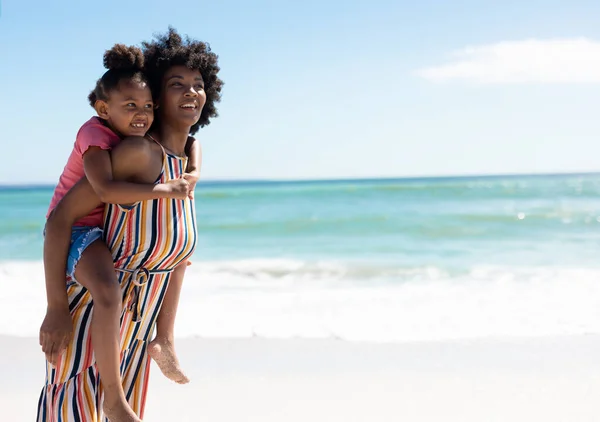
column 77, row 203
column 193, row 149
column 57, row 327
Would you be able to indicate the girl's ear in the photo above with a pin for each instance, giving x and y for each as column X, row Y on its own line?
column 101, row 109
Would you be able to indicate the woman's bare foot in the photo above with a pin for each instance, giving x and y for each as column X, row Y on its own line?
column 119, row 411
column 163, row 353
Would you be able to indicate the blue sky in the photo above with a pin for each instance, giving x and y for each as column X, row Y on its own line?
column 327, row 89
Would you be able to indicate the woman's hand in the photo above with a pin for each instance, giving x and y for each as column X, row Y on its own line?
column 55, row 333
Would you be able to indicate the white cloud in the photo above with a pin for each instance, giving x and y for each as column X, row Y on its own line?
column 556, row 61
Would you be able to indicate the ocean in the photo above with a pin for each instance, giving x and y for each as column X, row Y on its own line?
column 390, row 260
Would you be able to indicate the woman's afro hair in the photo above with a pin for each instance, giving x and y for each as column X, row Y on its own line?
column 123, row 63
column 169, row 50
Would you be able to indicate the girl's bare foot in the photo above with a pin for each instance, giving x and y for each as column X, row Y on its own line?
column 119, row 412
column 163, row 353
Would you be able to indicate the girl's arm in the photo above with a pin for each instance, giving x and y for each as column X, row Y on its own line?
column 98, row 170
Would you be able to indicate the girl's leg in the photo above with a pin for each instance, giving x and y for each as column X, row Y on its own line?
column 95, row 271
column 162, row 348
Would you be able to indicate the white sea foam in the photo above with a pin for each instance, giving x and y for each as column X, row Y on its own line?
column 292, row 298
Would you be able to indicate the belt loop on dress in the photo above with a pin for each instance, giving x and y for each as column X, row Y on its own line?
column 139, row 279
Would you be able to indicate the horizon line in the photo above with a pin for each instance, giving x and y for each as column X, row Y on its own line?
column 350, row 179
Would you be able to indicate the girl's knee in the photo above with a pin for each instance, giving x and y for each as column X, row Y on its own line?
column 106, row 294
column 96, row 272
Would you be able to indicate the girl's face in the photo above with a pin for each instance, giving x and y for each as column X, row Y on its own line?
column 129, row 109
column 182, row 96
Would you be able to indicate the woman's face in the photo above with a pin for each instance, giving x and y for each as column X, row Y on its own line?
column 182, row 97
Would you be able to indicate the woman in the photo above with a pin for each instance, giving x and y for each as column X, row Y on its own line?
column 150, row 240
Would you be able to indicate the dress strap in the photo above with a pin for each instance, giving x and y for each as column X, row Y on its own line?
column 164, row 153
column 152, row 138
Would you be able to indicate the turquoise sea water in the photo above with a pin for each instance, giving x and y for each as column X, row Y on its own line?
column 452, row 221
column 382, row 260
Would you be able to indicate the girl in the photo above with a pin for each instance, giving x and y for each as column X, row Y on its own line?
column 123, row 102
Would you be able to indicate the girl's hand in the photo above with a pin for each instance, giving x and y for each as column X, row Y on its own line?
column 192, row 178
column 178, row 188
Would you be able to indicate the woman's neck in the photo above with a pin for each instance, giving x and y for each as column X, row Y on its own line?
column 173, row 138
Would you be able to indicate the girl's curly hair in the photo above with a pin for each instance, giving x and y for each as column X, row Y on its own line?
column 169, row 50
column 123, row 63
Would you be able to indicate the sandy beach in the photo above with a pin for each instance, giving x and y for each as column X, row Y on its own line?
column 518, row 379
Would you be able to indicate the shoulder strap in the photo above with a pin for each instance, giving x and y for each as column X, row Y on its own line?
column 152, row 138
column 164, row 154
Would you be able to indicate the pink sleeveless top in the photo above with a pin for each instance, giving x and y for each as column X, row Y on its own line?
column 93, row 133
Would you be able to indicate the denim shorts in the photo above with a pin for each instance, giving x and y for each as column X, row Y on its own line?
column 81, row 238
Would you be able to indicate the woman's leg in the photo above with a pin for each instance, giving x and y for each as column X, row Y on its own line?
column 77, row 399
column 136, row 338
column 162, row 348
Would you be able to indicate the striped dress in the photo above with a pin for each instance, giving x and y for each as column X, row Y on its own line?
column 147, row 240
